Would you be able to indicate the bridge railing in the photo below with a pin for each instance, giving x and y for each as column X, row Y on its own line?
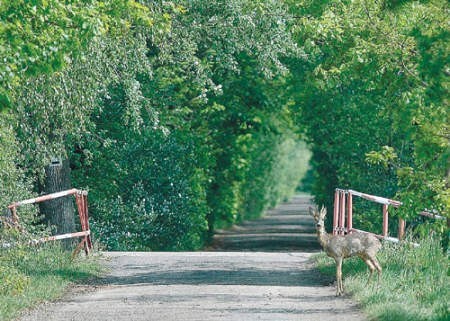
column 82, row 207
column 343, row 214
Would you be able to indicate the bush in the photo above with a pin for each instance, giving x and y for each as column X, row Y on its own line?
column 14, row 186
column 276, row 167
column 155, row 200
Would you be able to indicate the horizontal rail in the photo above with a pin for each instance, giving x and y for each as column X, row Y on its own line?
column 381, row 237
column 377, row 199
column 81, row 202
column 62, row 236
column 47, row 197
column 342, row 197
column 435, row 216
column 365, row 232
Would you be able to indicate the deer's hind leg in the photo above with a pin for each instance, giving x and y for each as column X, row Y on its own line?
column 377, row 265
column 370, row 265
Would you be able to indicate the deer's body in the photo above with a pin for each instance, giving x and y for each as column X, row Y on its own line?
column 339, row 247
column 355, row 244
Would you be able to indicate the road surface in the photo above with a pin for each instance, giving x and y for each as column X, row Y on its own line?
column 260, row 270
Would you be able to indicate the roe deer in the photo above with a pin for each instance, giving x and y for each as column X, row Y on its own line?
column 339, row 247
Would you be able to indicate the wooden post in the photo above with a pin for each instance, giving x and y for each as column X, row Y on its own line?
column 401, row 228
column 335, row 212
column 349, row 212
column 86, row 215
column 81, row 201
column 342, row 214
column 385, row 220
column 15, row 218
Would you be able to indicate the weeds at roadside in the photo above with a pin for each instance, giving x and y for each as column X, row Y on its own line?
column 32, row 275
column 414, row 285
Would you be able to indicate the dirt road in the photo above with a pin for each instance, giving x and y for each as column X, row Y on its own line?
column 278, row 284
column 286, row 228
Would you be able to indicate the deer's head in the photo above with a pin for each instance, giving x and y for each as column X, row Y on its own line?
column 319, row 216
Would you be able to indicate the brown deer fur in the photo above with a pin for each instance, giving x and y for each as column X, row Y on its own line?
column 339, row 247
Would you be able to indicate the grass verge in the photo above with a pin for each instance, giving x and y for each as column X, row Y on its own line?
column 414, row 286
column 29, row 276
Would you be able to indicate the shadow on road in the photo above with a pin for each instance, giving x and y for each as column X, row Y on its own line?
column 286, row 228
column 250, row 276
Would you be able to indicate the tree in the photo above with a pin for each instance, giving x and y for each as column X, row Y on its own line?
column 59, row 213
column 41, row 37
column 375, row 115
column 168, row 116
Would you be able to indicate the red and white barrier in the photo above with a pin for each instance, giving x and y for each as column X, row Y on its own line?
column 46, row 197
column 82, row 207
column 61, row 237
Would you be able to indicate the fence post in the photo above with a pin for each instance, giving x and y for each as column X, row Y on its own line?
column 401, row 228
column 342, row 214
column 81, row 200
column 385, row 220
column 86, row 215
column 335, row 211
column 349, row 212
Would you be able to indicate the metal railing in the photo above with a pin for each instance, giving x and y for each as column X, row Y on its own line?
column 82, row 207
column 343, row 213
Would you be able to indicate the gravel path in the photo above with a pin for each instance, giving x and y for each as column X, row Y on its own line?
column 273, row 279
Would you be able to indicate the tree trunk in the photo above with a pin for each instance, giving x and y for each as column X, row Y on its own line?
column 59, row 213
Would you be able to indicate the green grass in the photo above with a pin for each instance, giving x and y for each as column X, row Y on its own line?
column 29, row 276
column 414, row 286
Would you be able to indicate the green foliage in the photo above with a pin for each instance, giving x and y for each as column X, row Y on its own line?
column 153, row 197
column 41, row 37
column 184, row 116
column 55, row 111
column 14, row 185
column 13, row 282
column 273, row 174
column 168, row 117
column 254, row 138
column 143, row 95
column 372, row 100
column 414, row 285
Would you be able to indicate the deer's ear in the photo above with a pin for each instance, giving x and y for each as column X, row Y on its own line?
column 311, row 211
column 323, row 211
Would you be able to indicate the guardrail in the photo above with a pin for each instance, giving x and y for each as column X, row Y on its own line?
column 82, row 207
column 343, row 204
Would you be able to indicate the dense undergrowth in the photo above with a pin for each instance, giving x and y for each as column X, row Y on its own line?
column 414, row 286
column 33, row 275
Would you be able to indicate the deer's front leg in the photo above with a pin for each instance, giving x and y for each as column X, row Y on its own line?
column 340, row 286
